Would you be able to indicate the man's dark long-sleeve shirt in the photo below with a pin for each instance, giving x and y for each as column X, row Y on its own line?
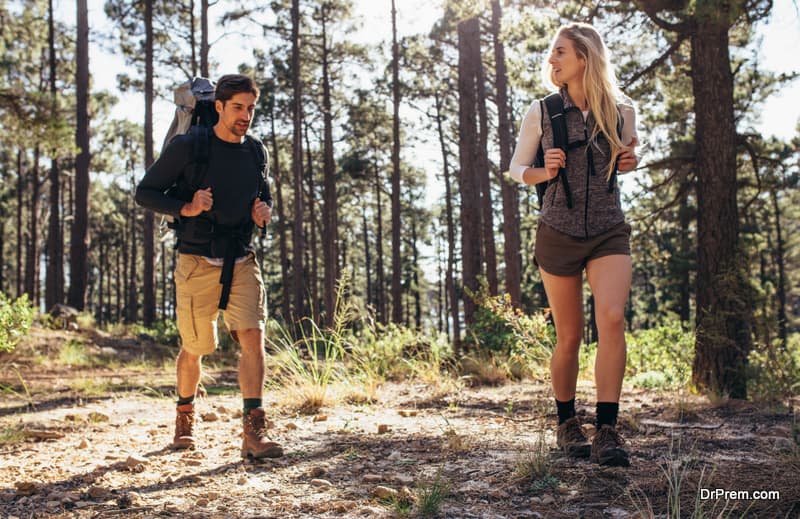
column 232, row 174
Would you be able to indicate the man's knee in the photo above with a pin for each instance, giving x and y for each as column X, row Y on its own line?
column 250, row 338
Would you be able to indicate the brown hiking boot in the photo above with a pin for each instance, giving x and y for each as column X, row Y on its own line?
column 570, row 438
column 184, row 428
column 254, row 442
column 607, row 448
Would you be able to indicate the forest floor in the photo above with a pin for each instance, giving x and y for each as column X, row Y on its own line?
column 92, row 441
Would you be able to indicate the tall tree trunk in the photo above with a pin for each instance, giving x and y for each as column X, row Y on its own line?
column 119, row 271
column 164, row 275
column 284, row 255
column 468, row 59
column 723, row 316
column 451, row 238
column 54, row 284
column 484, row 181
column 148, row 237
column 32, row 254
column 779, row 261
column 380, row 293
column 79, row 243
column 509, row 191
column 368, row 261
column 415, row 276
column 397, row 267
column 133, row 291
column 298, row 241
column 684, row 217
column 192, row 37
column 313, row 283
column 20, row 211
column 2, row 252
column 330, row 225
column 204, row 47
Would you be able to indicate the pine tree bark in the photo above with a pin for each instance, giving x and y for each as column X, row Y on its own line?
column 723, row 316
column 148, row 235
column 780, row 262
column 204, row 47
column 468, row 58
column 54, row 282
column 79, row 242
column 284, row 255
column 367, row 259
column 298, row 240
column 489, row 251
column 20, row 211
column 32, row 254
column 313, row 283
column 509, row 191
column 684, row 218
column 380, row 293
column 451, row 234
column 397, row 267
column 133, row 291
column 723, row 299
column 192, row 37
column 330, row 225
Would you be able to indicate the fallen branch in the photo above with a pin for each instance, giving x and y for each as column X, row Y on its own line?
column 674, row 425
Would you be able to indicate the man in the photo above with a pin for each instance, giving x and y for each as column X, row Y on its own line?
column 213, row 183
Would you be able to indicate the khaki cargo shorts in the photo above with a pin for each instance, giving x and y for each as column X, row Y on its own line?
column 198, row 291
column 560, row 254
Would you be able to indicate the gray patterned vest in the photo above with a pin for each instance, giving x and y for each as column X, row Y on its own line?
column 595, row 210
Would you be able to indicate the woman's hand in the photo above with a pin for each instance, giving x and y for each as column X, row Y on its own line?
column 554, row 159
column 627, row 160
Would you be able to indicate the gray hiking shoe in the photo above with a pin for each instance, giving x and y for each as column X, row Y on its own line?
column 570, row 439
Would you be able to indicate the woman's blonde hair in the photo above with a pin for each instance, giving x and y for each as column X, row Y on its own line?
column 599, row 82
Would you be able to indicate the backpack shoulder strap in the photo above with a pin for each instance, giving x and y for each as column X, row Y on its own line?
column 201, row 155
column 259, row 153
column 555, row 109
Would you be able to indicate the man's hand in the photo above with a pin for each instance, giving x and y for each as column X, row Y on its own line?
column 261, row 212
column 627, row 160
column 201, row 201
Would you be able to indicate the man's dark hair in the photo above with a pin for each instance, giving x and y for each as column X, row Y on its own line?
column 231, row 84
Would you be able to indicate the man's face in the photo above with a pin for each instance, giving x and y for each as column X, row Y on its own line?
column 236, row 114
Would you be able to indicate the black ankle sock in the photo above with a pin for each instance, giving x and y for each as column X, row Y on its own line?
column 566, row 410
column 607, row 413
column 251, row 403
column 183, row 400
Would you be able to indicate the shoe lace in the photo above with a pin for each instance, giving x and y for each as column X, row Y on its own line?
column 185, row 421
column 609, row 436
column 258, row 425
column 573, row 432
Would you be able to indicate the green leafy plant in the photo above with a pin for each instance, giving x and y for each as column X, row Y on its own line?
column 16, row 317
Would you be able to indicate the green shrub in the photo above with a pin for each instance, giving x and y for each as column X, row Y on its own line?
column 16, row 317
column 660, row 356
column 774, row 371
column 164, row 331
column 526, row 340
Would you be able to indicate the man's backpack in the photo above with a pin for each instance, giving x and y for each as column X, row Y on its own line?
column 555, row 109
column 196, row 114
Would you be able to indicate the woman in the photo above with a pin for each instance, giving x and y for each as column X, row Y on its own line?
column 583, row 227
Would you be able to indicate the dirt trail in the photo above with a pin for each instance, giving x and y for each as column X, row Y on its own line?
column 107, row 455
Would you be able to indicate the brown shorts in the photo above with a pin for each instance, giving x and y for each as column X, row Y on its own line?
column 562, row 255
column 198, row 291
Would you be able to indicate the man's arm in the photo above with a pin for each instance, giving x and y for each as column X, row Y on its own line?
column 162, row 175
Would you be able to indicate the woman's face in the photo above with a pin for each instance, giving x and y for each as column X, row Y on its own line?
column 567, row 66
